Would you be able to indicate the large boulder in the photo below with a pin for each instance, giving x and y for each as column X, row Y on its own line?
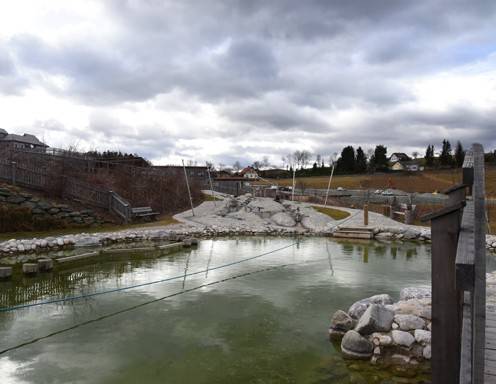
column 376, row 318
column 355, row 346
column 341, row 321
column 283, row 219
column 358, row 308
column 415, row 293
column 402, row 338
column 409, row 322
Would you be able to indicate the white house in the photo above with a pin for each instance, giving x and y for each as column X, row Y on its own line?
column 249, row 173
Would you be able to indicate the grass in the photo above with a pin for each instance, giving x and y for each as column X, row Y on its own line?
column 163, row 221
column 427, row 181
column 336, row 214
column 210, row 198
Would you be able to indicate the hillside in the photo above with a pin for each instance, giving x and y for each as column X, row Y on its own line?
column 428, row 181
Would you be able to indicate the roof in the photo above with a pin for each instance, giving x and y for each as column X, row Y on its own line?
column 401, row 156
column 26, row 138
column 247, row 170
column 232, row 178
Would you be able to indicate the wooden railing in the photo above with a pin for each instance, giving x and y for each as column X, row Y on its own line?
column 15, row 174
column 459, row 278
column 120, row 206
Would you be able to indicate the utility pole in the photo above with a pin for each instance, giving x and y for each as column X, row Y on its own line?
column 189, row 191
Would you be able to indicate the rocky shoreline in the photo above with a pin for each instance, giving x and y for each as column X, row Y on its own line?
column 243, row 216
column 386, row 332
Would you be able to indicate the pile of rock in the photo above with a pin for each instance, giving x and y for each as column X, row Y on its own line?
column 43, row 210
column 381, row 331
column 491, row 242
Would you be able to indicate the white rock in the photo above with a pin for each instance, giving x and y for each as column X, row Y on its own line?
column 409, row 322
column 427, row 352
column 422, row 336
column 402, row 338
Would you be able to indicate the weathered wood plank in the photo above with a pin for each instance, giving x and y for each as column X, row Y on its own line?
column 466, row 342
column 479, row 293
column 465, row 255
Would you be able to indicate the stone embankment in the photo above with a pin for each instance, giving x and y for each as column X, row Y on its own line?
column 392, row 333
column 244, row 216
column 42, row 210
column 379, row 330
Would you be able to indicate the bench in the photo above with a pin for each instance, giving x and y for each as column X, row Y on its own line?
column 144, row 212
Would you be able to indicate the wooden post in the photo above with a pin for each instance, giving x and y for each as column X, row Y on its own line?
column 446, row 298
column 366, row 214
column 479, row 293
column 329, row 185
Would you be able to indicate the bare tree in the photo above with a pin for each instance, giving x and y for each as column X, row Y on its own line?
column 236, row 166
column 415, row 154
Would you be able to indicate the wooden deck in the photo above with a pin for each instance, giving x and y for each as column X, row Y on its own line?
column 490, row 355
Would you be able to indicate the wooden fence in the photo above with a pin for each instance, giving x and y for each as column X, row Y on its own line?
column 459, row 279
column 17, row 174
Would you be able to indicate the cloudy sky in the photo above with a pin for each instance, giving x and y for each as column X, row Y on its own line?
column 238, row 80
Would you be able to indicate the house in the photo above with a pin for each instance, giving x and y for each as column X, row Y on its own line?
column 407, row 166
column 399, row 156
column 26, row 141
column 249, row 173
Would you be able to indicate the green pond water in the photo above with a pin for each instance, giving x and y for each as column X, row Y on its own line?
column 269, row 326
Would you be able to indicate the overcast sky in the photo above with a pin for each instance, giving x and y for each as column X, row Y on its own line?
column 238, row 80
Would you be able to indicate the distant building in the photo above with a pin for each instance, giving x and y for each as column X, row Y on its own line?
column 249, row 173
column 408, row 166
column 197, row 174
column 236, row 185
column 26, row 141
column 399, row 156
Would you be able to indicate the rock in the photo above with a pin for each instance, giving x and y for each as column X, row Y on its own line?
column 30, row 268
column 414, row 293
column 384, row 236
column 423, row 337
column 341, row 321
column 336, row 334
column 400, row 359
column 402, row 338
column 377, row 351
column 409, row 322
column 355, row 346
column 427, row 352
column 45, row 265
column 410, row 234
column 358, row 308
column 283, row 219
column 376, row 318
column 385, row 340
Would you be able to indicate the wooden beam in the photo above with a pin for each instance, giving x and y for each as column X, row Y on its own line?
column 446, row 298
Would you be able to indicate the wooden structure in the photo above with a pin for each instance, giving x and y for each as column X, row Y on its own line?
column 460, row 351
column 72, row 188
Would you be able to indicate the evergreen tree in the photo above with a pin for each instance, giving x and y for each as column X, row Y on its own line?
column 346, row 163
column 429, row 156
column 379, row 159
column 459, row 154
column 361, row 161
column 446, row 158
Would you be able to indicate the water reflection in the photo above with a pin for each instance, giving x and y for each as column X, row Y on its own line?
column 268, row 326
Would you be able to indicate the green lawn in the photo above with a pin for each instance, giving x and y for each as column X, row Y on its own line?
column 336, row 214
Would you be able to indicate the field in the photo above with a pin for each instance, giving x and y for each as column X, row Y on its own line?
column 428, row 181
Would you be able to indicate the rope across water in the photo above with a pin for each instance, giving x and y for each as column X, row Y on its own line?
column 182, row 276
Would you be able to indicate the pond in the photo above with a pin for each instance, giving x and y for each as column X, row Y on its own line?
column 262, row 320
